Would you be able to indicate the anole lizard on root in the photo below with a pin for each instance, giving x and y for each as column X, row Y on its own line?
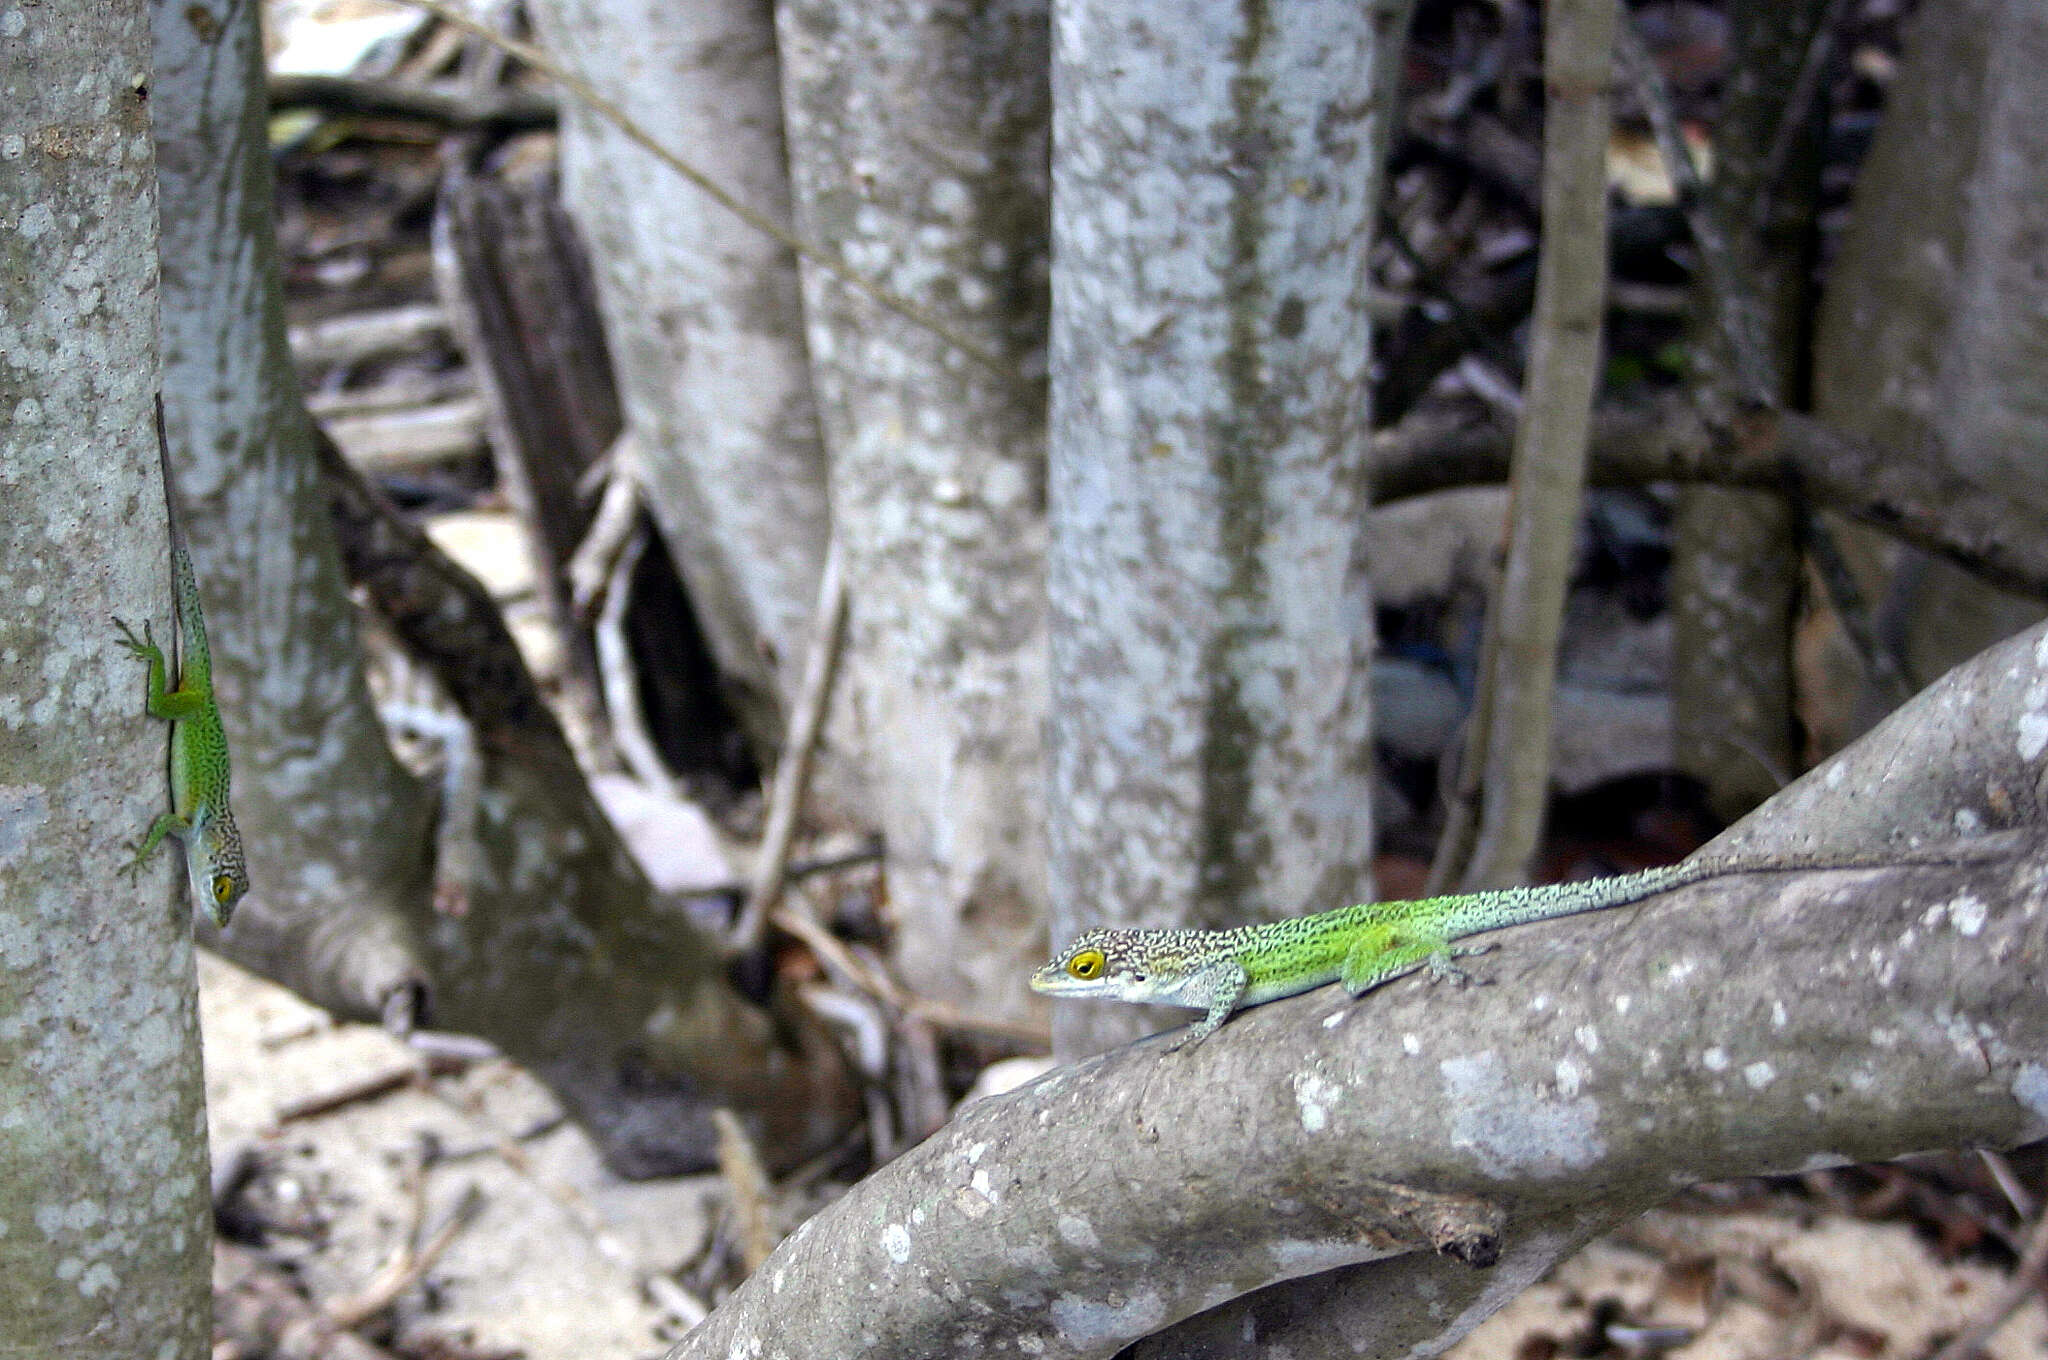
column 1220, row 972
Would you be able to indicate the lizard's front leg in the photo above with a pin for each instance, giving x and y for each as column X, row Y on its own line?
column 1217, row 988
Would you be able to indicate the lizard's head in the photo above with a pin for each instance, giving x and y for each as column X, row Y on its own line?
column 1125, row 965
column 220, row 877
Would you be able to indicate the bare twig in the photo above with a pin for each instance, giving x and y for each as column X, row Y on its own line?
column 872, row 851
column 841, row 961
column 1885, row 670
column 747, row 1182
column 2022, row 1200
column 406, row 1266
column 369, row 1086
column 759, row 221
column 793, row 772
column 611, row 527
column 2027, row 1277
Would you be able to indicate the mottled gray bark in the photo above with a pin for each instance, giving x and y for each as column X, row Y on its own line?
column 705, row 320
column 1735, row 564
column 563, row 958
column 1934, row 333
column 1215, row 179
column 917, row 139
column 105, row 1225
column 1619, row 1056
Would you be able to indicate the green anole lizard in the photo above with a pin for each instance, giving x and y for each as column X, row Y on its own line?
column 199, row 815
column 1222, row 971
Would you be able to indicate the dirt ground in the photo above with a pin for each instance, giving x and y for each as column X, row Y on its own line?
column 551, row 1264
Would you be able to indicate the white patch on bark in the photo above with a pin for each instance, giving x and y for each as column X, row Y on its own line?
column 1313, row 1096
column 1513, row 1131
column 1087, row 1324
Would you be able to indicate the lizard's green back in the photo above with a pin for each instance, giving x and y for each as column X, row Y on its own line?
column 1284, row 957
column 199, row 815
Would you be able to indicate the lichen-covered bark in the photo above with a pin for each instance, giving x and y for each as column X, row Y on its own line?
column 705, row 320
column 1215, row 174
column 1619, row 1056
column 105, row 1224
column 563, row 958
column 1934, row 332
column 917, row 138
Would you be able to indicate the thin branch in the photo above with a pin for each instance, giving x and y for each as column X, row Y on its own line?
column 793, row 773
column 1511, row 745
column 1906, row 497
column 621, row 677
column 759, row 221
column 504, row 110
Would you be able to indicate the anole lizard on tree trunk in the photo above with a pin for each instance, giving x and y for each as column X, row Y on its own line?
column 199, row 815
column 1222, row 971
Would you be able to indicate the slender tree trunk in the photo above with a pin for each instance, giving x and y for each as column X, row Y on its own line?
column 917, row 140
column 563, row 957
column 1511, row 730
column 1213, row 628
column 105, row 1223
column 1735, row 562
column 706, row 322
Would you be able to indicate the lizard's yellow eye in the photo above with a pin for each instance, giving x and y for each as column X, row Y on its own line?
column 223, row 888
column 1086, row 965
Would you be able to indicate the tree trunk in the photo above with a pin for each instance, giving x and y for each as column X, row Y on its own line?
column 1735, row 560
column 1618, row 1057
column 105, row 1224
column 1934, row 332
column 918, row 149
column 563, row 958
column 706, row 321
column 1213, row 629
